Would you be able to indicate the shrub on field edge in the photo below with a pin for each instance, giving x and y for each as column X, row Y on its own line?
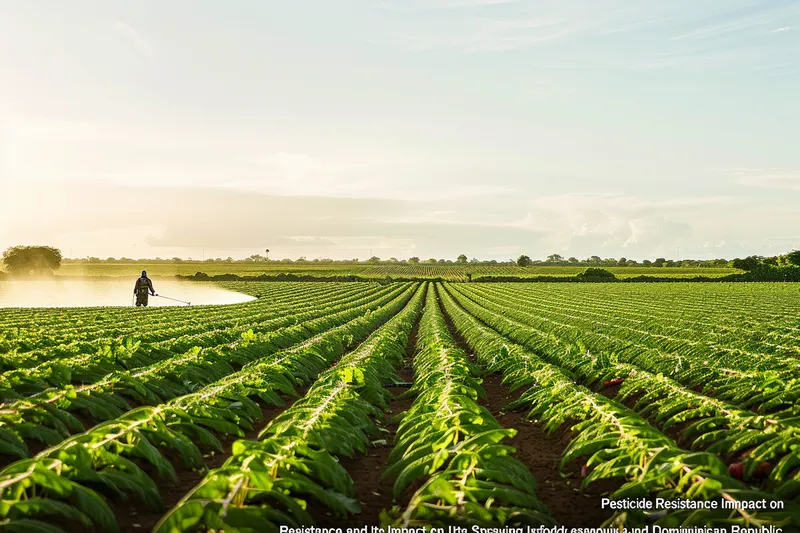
column 768, row 273
column 595, row 274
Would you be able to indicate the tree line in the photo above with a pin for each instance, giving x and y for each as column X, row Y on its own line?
column 523, row 260
column 44, row 260
column 597, row 261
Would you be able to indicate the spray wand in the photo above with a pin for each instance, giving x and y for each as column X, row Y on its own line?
column 173, row 299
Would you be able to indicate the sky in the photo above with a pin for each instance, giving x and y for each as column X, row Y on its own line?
column 398, row 128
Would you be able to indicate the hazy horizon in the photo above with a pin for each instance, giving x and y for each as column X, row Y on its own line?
column 401, row 128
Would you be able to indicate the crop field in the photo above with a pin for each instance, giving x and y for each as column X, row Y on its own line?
column 446, row 272
column 405, row 404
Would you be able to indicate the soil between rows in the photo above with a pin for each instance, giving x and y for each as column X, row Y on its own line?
column 541, row 453
column 373, row 493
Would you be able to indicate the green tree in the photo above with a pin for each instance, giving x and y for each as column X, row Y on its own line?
column 523, row 261
column 793, row 257
column 36, row 260
column 413, row 260
column 747, row 264
column 374, row 260
column 554, row 258
column 462, row 259
column 659, row 262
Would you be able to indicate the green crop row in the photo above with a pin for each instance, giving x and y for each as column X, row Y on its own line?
column 271, row 482
column 455, row 446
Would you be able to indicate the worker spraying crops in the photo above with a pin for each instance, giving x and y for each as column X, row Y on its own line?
column 142, row 289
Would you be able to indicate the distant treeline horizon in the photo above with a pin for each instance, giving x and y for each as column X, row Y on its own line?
column 747, row 263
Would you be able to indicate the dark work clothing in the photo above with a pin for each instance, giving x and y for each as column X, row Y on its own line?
column 143, row 285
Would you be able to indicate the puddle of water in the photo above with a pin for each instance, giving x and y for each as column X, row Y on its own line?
column 112, row 292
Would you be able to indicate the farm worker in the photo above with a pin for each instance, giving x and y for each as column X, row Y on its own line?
column 143, row 285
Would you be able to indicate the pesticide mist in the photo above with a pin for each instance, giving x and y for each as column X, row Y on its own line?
column 112, row 292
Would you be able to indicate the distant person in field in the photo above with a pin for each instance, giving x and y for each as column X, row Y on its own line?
column 141, row 289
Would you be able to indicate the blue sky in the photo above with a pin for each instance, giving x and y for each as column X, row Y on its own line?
column 401, row 127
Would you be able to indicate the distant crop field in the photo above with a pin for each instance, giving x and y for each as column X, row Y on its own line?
column 446, row 272
column 342, row 404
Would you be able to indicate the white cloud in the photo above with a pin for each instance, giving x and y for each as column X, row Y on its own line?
column 504, row 26
column 302, row 174
column 585, row 224
column 782, row 30
column 480, row 190
column 675, row 35
column 489, row 35
column 765, row 178
column 768, row 178
column 738, row 20
column 122, row 241
column 723, row 28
